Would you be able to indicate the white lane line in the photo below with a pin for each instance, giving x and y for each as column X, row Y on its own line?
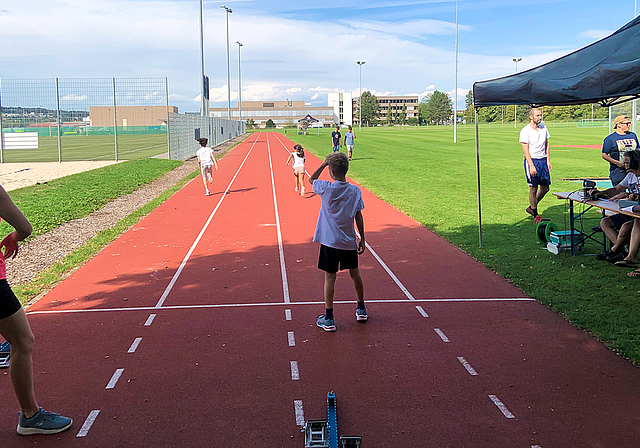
column 149, row 320
column 287, row 314
column 441, row 334
column 283, row 266
column 536, row 446
column 195, row 243
column 295, row 373
column 93, row 415
column 285, row 148
column 134, row 345
column 467, row 366
column 422, row 311
column 501, row 406
column 292, row 339
column 242, row 305
column 114, row 379
column 297, row 405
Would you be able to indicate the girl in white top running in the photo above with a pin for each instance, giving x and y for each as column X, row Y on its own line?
column 298, row 167
column 206, row 160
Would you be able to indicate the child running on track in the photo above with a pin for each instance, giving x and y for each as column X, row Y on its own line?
column 14, row 326
column 341, row 205
column 298, row 167
column 206, row 160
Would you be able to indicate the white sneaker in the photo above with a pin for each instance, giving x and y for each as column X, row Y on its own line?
column 207, row 193
column 296, row 189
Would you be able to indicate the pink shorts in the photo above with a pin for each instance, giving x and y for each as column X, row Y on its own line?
column 298, row 170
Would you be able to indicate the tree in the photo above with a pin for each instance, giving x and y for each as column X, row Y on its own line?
column 370, row 108
column 402, row 116
column 412, row 121
column 270, row 123
column 469, row 112
column 438, row 109
column 422, row 109
column 250, row 124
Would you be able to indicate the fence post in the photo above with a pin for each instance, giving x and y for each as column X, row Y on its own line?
column 58, row 120
column 115, row 120
column 166, row 84
column 1, row 139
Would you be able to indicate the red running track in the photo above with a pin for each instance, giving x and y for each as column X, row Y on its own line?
column 210, row 323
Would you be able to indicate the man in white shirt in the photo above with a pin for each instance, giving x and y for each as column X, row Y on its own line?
column 534, row 139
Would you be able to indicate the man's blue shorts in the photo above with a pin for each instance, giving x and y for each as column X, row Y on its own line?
column 336, row 148
column 542, row 176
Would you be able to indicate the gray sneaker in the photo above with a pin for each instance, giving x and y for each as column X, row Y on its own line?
column 43, row 422
column 361, row 315
column 325, row 324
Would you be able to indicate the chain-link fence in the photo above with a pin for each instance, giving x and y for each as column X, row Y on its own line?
column 184, row 129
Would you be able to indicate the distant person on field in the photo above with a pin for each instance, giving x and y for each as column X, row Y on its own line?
column 349, row 139
column 206, row 160
column 298, row 167
column 335, row 139
column 14, row 327
column 534, row 139
column 615, row 145
column 339, row 250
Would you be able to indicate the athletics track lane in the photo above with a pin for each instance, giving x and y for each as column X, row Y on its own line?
column 222, row 377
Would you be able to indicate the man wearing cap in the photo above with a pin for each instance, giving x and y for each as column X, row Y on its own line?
column 616, row 145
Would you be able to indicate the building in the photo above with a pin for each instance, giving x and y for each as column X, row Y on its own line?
column 130, row 115
column 341, row 102
column 283, row 113
column 394, row 104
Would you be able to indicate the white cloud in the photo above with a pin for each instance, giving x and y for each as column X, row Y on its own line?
column 72, row 97
column 595, row 34
column 414, row 28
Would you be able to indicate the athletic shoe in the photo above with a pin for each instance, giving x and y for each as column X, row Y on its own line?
column 537, row 219
column 43, row 422
column 361, row 315
column 325, row 324
column 617, row 256
column 530, row 211
column 302, row 192
column 207, row 193
column 296, row 188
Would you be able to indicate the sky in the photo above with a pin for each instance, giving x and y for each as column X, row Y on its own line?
column 297, row 50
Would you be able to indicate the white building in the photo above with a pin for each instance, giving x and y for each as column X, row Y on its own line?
column 341, row 103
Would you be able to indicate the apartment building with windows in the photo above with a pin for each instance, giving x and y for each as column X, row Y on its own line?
column 342, row 103
column 393, row 104
column 283, row 113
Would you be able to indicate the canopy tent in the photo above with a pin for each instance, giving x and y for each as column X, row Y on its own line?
column 307, row 119
column 605, row 72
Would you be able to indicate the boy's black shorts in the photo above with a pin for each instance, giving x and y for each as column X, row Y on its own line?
column 9, row 303
column 331, row 260
column 618, row 219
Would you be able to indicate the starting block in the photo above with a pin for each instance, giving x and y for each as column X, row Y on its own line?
column 4, row 355
column 324, row 433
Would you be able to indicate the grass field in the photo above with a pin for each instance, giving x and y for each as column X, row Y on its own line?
column 91, row 147
column 423, row 173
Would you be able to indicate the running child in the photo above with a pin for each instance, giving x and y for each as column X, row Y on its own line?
column 298, row 167
column 206, row 160
column 14, row 327
column 339, row 250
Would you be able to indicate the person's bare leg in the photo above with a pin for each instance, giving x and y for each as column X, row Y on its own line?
column 607, row 227
column 544, row 189
column 624, row 236
column 17, row 332
column 329, row 286
column 634, row 243
column 301, row 181
column 204, row 182
column 358, row 284
column 533, row 197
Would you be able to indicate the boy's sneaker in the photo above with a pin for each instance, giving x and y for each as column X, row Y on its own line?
column 325, row 324
column 530, row 211
column 537, row 219
column 43, row 422
column 361, row 314
column 207, row 193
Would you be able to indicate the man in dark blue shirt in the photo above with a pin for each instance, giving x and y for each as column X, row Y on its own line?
column 616, row 145
column 335, row 136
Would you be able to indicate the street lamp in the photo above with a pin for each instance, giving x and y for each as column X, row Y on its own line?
column 455, row 105
column 360, row 63
column 228, row 10
column 204, row 95
column 239, row 84
column 515, row 106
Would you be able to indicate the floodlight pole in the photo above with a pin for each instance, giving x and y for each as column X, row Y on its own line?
column 228, row 10
column 455, row 104
column 515, row 106
column 203, row 94
column 634, row 106
column 360, row 63
column 239, row 84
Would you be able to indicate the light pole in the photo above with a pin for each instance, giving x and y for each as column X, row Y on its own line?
column 239, row 84
column 455, row 104
column 634, row 106
column 515, row 106
column 228, row 10
column 360, row 63
column 203, row 94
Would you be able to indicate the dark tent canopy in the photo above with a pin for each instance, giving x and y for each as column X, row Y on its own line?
column 605, row 72
column 308, row 118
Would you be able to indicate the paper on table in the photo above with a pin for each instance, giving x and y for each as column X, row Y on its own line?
column 628, row 209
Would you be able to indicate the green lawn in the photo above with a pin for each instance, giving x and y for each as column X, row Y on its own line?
column 423, row 173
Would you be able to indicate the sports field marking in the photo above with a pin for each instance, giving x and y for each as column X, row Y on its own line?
column 467, row 366
column 422, row 311
column 195, row 243
column 441, row 334
column 297, row 405
column 287, row 314
column 283, row 266
column 291, row 338
column 536, row 446
column 86, row 426
column 241, row 305
column 149, row 320
column 114, row 379
column 134, row 345
column 295, row 372
column 501, row 406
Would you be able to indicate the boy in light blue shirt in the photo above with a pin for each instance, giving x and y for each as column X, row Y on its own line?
column 349, row 138
column 341, row 206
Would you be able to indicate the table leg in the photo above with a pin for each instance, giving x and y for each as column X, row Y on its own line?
column 573, row 243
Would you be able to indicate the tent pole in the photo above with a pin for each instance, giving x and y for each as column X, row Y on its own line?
column 478, row 176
